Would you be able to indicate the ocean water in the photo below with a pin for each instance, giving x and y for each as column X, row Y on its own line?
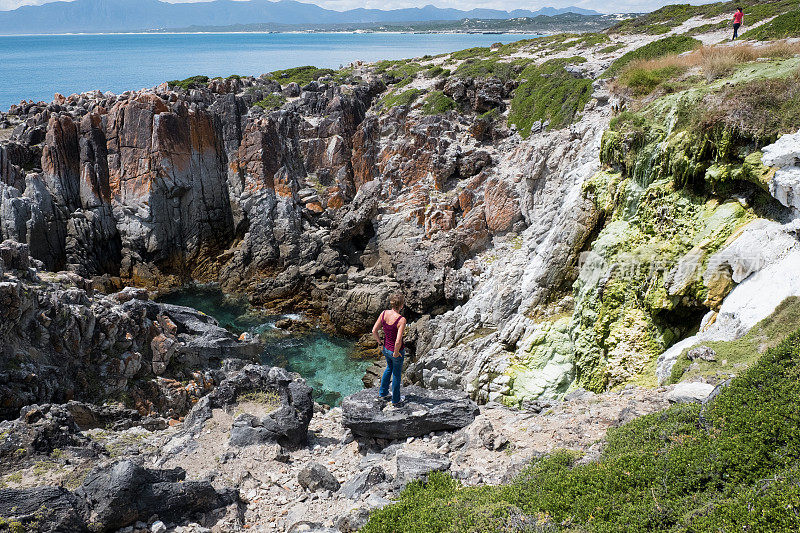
column 36, row 67
column 324, row 361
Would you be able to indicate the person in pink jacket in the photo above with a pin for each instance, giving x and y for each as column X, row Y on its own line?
column 737, row 21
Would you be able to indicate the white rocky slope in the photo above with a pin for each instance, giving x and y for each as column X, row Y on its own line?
column 514, row 340
column 526, row 273
column 764, row 260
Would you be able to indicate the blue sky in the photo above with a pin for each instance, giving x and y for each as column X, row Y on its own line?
column 615, row 6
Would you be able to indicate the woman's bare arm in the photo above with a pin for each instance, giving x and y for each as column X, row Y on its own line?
column 375, row 329
column 398, row 343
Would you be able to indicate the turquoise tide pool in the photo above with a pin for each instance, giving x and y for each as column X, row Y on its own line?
column 326, row 362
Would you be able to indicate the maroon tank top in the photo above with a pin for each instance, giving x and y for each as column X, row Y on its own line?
column 389, row 332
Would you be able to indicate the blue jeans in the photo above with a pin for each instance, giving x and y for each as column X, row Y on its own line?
column 394, row 366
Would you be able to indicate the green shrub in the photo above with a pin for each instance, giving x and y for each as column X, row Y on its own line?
column 272, row 101
column 189, row 83
column 611, row 48
column 674, row 44
column 487, row 68
column 400, row 68
column 471, row 53
column 437, row 103
column 405, row 98
column 436, row 71
column 643, row 81
column 548, row 92
column 300, row 75
column 781, row 27
column 729, row 466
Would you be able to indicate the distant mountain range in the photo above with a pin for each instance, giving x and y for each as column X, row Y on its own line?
column 83, row 16
column 564, row 22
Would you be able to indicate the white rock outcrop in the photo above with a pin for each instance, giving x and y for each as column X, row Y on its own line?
column 785, row 155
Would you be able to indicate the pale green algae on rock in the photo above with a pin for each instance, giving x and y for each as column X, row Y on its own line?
column 544, row 365
column 640, row 289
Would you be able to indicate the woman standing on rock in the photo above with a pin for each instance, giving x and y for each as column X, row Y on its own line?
column 394, row 325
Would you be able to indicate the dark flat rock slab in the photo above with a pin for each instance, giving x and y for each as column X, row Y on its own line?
column 424, row 411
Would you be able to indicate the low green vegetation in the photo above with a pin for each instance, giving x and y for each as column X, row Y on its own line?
column 270, row 399
column 674, row 44
column 436, row 72
column 272, row 101
column 560, row 42
column 398, row 98
column 781, row 27
column 437, row 103
column 471, row 53
column 489, row 68
column 12, row 526
column 643, row 81
column 731, row 465
column 189, row 83
column 300, row 75
column 14, row 477
column 611, row 48
column 733, row 357
column 400, row 68
column 549, row 92
column 40, row 468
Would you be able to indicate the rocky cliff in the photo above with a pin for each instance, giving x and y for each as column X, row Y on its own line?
column 543, row 239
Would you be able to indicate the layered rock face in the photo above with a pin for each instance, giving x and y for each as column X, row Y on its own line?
column 61, row 340
column 154, row 186
column 158, row 187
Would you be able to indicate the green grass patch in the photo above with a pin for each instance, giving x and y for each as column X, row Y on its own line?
column 343, row 75
column 268, row 398
column 404, row 98
column 300, row 75
column 437, row 72
column 437, row 103
column 759, row 110
column 400, row 68
column 611, row 48
column 733, row 357
column 781, row 27
column 489, row 68
column 189, row 83
column 548, row 92
column 643, row 81
column 552, row 44
column 674, row 44
column 272, row 101
column 15, row 477
column 729, row 466
column 471, row 53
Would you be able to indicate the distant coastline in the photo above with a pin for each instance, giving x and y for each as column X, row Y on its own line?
column 292, row 32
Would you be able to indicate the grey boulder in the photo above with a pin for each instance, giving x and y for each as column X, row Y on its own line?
column 423, row 412
column 287, row 424
column 412, row 466
column 365, row 480
column 316, row 477
column 126, row 493
column 690, row 392
column 46, row 509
